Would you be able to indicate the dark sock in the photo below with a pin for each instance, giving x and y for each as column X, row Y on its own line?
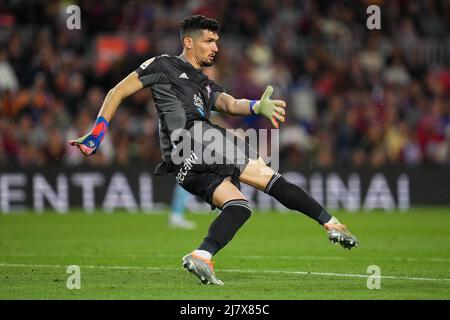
column 295, row 198
column 234, row 214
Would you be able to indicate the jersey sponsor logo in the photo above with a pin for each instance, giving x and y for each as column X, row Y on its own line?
column 198, row 102
column 146, row 63
column 183, row 76
column 187, row 166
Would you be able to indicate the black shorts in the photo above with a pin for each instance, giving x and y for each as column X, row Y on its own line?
column 199, row 176
column 203, row 184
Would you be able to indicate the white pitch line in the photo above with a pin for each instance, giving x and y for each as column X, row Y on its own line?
column 19, row 265
column 336, row 274
column 307, row 273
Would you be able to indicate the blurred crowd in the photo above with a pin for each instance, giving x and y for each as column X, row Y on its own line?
column 356, row 97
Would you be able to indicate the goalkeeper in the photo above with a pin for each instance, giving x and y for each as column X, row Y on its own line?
column 184, row 97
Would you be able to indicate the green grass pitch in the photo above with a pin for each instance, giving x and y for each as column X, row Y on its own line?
column 274, row 256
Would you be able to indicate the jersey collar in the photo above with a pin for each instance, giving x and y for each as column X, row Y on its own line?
column 183, row 58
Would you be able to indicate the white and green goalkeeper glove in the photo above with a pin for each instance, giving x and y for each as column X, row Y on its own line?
column 271, row 109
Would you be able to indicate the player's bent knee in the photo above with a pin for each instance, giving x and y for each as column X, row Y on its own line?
column 225, row 192
column 257, row 174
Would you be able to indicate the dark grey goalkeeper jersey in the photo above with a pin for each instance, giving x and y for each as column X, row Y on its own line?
column 182, row 94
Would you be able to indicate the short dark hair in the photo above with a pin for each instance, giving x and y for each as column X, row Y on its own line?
column 197, row 23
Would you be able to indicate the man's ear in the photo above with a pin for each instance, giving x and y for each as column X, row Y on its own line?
column 188, row 42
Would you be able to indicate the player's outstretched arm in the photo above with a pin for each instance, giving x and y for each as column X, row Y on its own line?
column 271, row 109
column 89, row 143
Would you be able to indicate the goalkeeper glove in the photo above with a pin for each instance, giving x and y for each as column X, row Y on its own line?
column 90, row 143
column 271, row 109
